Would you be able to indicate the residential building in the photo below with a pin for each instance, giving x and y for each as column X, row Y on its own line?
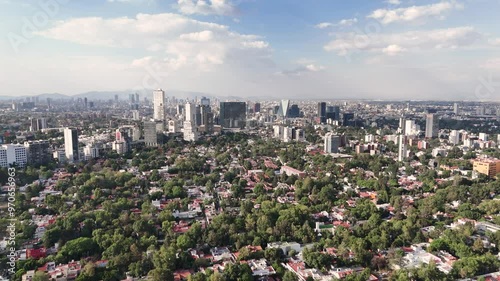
column 487, row 166
column 13, row 154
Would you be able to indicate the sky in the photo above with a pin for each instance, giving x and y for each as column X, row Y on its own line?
column 297, row 49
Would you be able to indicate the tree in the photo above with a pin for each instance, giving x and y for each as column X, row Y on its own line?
column 290, row 276
column 41, row 276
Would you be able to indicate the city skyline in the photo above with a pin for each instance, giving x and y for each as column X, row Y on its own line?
column 288, row 49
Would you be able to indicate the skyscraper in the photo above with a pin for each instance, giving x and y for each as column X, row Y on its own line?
column 431, row 126
column 322, row 112
column 71, row 144
column 151, row 135
column 233, row 114
column 456, row 108
column 402, row 147
column 332, row 143
column 159, row 105
column 283, row 110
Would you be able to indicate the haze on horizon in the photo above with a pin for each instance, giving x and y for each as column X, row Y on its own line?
column 394, row 49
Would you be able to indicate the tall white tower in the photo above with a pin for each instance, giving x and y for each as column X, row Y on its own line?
column 159, row 105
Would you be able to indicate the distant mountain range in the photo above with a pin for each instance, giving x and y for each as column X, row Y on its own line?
column 122, row 95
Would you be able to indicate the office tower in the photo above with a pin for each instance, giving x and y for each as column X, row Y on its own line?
column 456, row 108
column 205, row 101
column 38, row 124
column 332, row 143
column 13, row 154
column 283, row 110
column 190, row 112
column 116, row 98
column 137, row 98
column 180, row 109
column 71, row 144
column 294, row 111
column 403, row 147
column 454, row 137
column 347, row 119
column 190, row 129
column 131, row 98
column 233, row 114
column 49, row 102
column 322, row 112
column 159, row 105
column 431, row 126
column 207, row 119
column 256, row 107
column 152, row 137
column 333, row 112
column 38, row 152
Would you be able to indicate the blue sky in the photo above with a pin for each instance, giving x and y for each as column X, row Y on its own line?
column 394, row 49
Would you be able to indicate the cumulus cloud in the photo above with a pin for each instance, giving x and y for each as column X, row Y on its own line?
column 449, row 38
column 206, row 7
column 185, row 41
column 343, row 22
column 393, row 50
column 415, row 13
column 393, row 2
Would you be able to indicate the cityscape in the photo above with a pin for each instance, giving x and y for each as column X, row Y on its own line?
column 237, row 140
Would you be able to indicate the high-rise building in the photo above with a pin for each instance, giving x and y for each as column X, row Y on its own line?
column 483, row 136
column 152, row 136
column 13, row 154
column 333, row 112
column 205, row 101
column 454, row 137
column 283, row 110
column 38, row 124
column 190, row 129
column 159, row 105
column 131, row 98
column 322, row 112
column 38, row 152
column 207, row 119
column 233, row 114
column 173, row 127
column 71, row 144
column 332, row 143
column 402, row 147
column 456, row 108
column 85, row 102
column 137, row 98
column 90, row 151
column 256, row 107
column 135, row 115
column 294, row 111
column 431, row 126
column 116, row 98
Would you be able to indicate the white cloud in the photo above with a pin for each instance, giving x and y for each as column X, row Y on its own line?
column 393, row 50
column 415, row 13
column 206, row 7
column 393, row 2
column 494, row 42
column 344, row 22
column 324, row 25
column 185, row 41
column 412, row 40
column 347, row 22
